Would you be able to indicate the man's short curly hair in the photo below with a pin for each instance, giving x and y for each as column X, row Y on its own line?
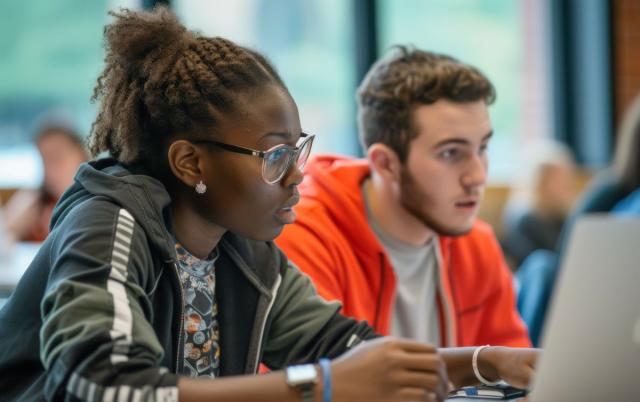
column 408, row 78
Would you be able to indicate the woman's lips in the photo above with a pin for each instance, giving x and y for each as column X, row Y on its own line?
column 286, row 215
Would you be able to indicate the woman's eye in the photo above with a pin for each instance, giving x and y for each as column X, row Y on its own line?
column 277, row 154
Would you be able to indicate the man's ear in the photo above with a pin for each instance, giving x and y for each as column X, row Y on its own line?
column 384, row 162
column 185, row 162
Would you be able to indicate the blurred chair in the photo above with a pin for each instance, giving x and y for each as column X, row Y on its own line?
column 534, row 281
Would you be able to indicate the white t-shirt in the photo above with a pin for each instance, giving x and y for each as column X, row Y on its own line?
column 415, row 311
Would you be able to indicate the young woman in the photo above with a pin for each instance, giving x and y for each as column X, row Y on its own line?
column 160, row 270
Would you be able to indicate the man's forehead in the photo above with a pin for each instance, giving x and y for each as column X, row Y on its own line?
column 444, row 120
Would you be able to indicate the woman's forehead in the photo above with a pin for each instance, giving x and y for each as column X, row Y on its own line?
column 266, row 112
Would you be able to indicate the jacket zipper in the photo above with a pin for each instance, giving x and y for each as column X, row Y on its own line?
column 175, row 271
column 274, row 291
column 379, row 301
column 449, row 323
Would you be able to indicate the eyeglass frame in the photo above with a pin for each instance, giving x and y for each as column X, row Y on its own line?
column 294, row 152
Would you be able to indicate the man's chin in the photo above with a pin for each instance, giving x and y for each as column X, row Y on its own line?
column 452, row 231
column 455, row 233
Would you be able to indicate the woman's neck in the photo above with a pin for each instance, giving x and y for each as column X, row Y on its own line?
column 194, row 233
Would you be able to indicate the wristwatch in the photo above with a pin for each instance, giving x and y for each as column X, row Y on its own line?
column 303, row 377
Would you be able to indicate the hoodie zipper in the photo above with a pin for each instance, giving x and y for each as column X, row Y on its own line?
column 450, row 329
column 180, row 329
column 379, row 301
column 263, row 324
column 274, row 291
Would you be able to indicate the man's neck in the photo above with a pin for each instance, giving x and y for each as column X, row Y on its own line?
column 388, row 212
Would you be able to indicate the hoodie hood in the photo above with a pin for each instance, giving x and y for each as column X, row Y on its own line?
column 141, row 195
column 332, row 234
column 335, row 182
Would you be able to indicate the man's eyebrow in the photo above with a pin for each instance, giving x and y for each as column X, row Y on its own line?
column 461, row 141
column 487, row 136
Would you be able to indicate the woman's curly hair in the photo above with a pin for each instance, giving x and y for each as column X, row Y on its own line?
column 161, row 79
column 408, row 78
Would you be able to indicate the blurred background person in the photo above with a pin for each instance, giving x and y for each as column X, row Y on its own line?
column 611, row 186
column 539, row 201
column 28, row 211
column 614, row 190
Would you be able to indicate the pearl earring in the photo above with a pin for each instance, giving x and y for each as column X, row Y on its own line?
column 201, row 188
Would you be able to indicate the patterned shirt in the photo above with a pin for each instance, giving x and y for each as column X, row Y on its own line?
column 201, row 333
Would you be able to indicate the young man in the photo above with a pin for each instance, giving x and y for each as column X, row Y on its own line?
column 395, row 237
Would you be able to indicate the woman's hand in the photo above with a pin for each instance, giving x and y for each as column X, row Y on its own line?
column 513, row 365
column 390, row 370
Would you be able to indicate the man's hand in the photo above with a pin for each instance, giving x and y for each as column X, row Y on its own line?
column 513, row 365
column 389, row 369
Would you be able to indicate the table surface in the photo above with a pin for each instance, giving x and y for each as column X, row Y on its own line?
column 462, row 399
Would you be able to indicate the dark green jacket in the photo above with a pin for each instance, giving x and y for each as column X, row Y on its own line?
column 98, row 314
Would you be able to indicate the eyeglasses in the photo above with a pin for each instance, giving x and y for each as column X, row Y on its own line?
column 275, row 161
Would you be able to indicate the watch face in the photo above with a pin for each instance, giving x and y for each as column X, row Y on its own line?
column 305, row 373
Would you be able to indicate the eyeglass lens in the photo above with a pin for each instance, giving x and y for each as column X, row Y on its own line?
column 277, row 162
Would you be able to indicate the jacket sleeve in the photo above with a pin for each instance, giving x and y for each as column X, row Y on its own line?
column 304, row 327
column 96, row 341
column 309, row 244
column 501, row 322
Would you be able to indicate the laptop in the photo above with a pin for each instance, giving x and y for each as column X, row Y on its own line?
column 592, row 338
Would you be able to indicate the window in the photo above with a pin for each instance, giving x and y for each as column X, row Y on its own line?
column 53, row 53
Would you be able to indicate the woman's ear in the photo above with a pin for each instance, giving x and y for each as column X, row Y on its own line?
column 185, row 160
column 384, row 162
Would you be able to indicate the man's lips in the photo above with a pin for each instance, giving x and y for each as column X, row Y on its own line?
column 467, row 203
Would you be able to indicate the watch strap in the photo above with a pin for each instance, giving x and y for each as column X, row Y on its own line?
column 306, row 391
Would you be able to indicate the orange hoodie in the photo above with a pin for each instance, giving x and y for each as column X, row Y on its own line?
column 332, row 242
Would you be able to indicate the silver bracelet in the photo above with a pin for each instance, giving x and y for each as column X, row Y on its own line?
column 476, row 371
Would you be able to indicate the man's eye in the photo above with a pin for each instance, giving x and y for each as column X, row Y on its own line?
column 449, row 154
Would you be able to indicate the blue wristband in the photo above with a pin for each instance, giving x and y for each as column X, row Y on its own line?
column 325, row 364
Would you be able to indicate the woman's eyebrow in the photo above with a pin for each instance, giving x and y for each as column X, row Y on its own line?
column 287, row 136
